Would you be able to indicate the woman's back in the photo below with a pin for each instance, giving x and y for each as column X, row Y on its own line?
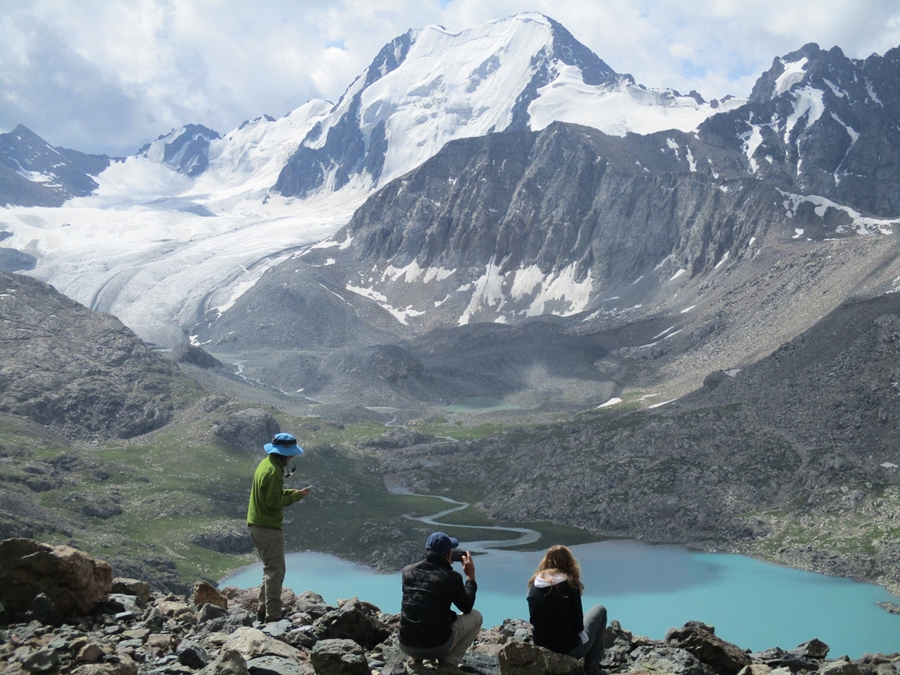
column 555, row 611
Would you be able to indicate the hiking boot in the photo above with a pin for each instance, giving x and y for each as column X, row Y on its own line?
column 415, row 666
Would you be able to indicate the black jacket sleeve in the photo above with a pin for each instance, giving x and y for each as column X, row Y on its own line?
column 464, row 594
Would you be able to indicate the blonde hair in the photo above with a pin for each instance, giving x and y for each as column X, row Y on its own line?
column 560, row 559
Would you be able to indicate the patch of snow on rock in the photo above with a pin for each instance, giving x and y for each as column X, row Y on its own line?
column 794, row 72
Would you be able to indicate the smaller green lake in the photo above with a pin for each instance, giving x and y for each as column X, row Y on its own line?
column 480, row 404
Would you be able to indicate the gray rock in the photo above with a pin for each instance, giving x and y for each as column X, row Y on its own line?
column 124, row 586
column 196, row 356
column 339, row 657
column 44, row 611
column 779, row 658
column 840, row 668
column 228, row 662
column 814, row 649
column 226, row 539
column 124, row 602
column 154, row 619
column 252, row 643
column 701, row 641
column 353, row 620
column 485, row 664
column 670, row 660
column 209, row 612
column 313, row 604
column 72, row 171
column 617, row 645
column 120, row 664
column 90, row 653
column 41, row 661
column 519, row 658
column 277, row 629
column 192, row 655
column 13, row 260
column 129, row 644
column 277, row 665
column 249, row 429
column 393, row 660
column 303, row 637
column 756, row 669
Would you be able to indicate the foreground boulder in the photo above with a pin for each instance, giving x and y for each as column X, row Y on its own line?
column 252, row 643
column 528, row 659
column 72, row 580
column 353, row 620
column 702, row 642
column 339, row 657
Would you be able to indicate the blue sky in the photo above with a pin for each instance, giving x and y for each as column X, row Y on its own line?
column 107, row 77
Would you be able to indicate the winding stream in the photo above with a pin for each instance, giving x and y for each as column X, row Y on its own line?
column 526, row 536
column 647, row 588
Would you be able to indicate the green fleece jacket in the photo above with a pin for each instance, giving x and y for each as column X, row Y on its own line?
column 268, row 496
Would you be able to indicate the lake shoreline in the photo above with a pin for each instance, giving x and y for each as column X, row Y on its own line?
column 530, row 536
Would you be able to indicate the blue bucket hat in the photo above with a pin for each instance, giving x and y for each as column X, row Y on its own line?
column 283, row 444
column 441, row 543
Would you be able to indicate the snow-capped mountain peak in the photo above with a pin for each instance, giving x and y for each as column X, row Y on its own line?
column 185, row 150
column 431, row 86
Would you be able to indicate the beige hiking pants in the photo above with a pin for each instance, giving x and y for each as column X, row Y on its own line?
column 270, row 546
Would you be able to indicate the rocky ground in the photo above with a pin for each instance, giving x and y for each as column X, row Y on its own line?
column 793, row 458
column 80, row 373
column 97, row 624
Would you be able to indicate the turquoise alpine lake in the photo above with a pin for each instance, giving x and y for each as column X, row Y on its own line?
column 647, row 588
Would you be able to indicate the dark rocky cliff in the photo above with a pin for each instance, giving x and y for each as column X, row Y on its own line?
column 80, row 373
column 34, row 173
column 826, row 128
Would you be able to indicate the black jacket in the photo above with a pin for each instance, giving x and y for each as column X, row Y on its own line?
column 556, row 615
column 429, row 588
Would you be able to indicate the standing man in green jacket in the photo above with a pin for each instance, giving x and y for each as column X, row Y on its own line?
column 264, row 517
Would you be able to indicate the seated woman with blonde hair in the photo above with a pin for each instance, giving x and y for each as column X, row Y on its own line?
column 554, row 606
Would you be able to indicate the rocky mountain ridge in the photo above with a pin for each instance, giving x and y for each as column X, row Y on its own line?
column 818, row 123
column 815, row 140
column 34, row 173
column 125, row 628
column 79, row 373
column 793, row 458
column 548, row 222
column 489, row 79
column 185, row 150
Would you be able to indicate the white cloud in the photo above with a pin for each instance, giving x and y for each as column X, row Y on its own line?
column 105, row 76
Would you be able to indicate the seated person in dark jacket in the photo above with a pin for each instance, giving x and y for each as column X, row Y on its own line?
column 429, row 628
column 554, row 606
